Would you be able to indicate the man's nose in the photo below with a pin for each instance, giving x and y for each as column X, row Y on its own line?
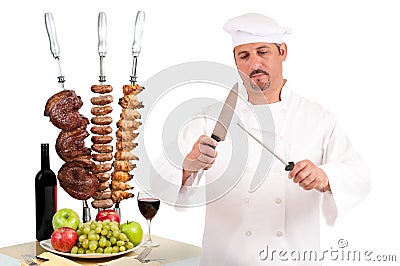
column 255, row 62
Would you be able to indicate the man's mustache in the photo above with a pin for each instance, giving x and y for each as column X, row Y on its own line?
column 258, row 71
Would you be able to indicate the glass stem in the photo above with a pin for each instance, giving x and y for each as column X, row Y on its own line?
column 149, row 235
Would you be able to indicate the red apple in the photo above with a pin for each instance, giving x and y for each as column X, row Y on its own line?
column 108, row 215
column 63, row 239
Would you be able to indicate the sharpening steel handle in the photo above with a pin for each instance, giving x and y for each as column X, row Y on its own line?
column 290, row 166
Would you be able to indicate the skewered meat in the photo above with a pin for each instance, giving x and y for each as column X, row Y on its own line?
column 101, row 139
column 124, row 166
column 103, row 204
column 77, row 180
column 101, row 168
column 102, row 148
column 130, row 114
column 121, row 176
column 126, row 134
column 102, row 89
column 132, row 89
column 117, row 185
column 128, row 124
column 62, row 108
column 75, row 175
column 125, row 145
column 70, row 144
column 102, row 100
column 102, row 195
column 102, row 157
column 125, row 155
column 101, row 130
column 130, row 102
column 119, row 195
column 101, row 120
column 101, row 110
column 103, row 186
column 102, row 177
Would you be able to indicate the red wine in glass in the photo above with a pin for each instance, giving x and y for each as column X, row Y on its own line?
column 148, row 207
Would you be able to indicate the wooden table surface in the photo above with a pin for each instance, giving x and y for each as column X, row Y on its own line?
column 169, row 250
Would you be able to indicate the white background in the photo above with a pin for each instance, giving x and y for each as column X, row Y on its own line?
column 342, row 54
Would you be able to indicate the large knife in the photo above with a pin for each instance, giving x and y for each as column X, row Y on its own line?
column 225, row 117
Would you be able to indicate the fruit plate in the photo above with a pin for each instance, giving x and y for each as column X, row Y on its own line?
column 46, row 244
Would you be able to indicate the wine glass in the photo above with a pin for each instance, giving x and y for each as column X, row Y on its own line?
column 148, row 206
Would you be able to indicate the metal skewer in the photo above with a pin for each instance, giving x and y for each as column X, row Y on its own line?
column 54, row 47
column 137, row 42
column 288, row 165
column 55, row 50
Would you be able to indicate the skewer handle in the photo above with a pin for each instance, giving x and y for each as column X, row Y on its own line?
column 102, row 33
column 51, row 32
column 137, row 39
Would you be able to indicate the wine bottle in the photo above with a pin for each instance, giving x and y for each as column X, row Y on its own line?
column 45, row 196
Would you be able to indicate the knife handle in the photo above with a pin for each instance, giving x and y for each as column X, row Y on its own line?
column 215, row 138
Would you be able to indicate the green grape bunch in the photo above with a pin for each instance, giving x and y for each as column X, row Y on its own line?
column 101, row 237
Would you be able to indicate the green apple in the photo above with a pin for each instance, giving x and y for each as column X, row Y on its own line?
column 133, row 231
column 65, row 218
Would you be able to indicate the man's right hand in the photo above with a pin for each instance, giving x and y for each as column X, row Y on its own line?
column 202, row 156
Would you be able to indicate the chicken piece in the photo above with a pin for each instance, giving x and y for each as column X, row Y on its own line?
column 128, row 124
column 126, row 135
column 124, row 166
column 119, row 195
column 130, row 101
column 132, row 89
column 121, row 176
column 125, row 155
column 117, row 185
column 130, row 114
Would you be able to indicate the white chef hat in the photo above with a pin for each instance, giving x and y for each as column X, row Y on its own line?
column 253, row 27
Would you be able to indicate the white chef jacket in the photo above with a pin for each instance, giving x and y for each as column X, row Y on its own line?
column 251, row 228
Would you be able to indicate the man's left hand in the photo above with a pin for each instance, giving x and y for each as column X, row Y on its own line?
column 309, row 176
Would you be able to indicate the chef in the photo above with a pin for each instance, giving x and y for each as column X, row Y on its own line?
column 279, row 222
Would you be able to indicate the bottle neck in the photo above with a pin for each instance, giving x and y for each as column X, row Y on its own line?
column 45, row 159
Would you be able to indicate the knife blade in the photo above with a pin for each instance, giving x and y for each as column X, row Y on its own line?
column 226, row 114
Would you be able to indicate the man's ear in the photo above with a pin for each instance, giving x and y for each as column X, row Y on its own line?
column 283, row 50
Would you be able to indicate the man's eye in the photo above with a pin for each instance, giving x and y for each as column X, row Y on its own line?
column 244, row 56
column 262, row 52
